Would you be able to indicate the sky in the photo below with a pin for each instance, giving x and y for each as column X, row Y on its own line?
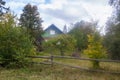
column 61, row 12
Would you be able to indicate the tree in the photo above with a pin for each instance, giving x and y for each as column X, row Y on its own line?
column 80, row 32
column 62, row 43
column 95, row 49
column 15, row 44
column 116, row 5
column 32, row 22
column 2, row 8
column 112, row 37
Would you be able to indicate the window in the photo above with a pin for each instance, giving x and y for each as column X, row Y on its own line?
column 52, row 32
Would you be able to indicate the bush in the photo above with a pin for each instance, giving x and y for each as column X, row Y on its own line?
column 15, row 44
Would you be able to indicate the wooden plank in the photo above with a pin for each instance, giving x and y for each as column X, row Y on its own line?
column 46, row 57
column 89, row 59
column 47, row 63
column 67, row 57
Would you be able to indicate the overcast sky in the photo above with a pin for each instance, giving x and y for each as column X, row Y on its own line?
column 61, row 12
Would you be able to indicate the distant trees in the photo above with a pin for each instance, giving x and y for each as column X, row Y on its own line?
column 112, row 37
column 30, row 20
column 80, row 32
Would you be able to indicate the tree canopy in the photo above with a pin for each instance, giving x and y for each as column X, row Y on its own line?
column 80, row 31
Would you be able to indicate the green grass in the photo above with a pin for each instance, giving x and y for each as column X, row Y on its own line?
column 57, row 72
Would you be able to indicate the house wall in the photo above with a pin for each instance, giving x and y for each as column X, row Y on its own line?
column 52, row 30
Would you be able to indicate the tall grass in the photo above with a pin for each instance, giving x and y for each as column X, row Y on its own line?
column 56, row 72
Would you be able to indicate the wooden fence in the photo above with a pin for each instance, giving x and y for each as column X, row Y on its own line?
column 52, row 61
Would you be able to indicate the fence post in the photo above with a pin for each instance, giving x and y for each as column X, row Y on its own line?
column 51, row 58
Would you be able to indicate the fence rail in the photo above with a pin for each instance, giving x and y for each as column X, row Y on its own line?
column 67, row 57
column 52, row 61
column 86, row 69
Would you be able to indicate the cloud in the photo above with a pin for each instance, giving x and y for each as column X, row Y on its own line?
column 48, row 20
column 26, row 1
column 98, row 12
column 15, row 5
column 62, row 12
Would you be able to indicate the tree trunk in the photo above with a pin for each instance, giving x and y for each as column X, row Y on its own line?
column 95, row 64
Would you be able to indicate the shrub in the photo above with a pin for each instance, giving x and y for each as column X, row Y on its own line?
column 15, row 44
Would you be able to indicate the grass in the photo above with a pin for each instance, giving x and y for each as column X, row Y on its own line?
column 57, row 72
column 112, row 66
column 108, row 66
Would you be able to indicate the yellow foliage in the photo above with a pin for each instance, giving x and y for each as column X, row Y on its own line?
column 95, row 48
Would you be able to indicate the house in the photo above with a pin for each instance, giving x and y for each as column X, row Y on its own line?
column 51, row 31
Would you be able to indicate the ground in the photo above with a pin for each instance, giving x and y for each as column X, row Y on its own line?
column 56, row 72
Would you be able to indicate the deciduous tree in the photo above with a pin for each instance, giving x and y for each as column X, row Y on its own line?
column 80, row 32
column 62, row 43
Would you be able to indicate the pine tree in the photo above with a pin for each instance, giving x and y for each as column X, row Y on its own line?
column 95, row 49
column 31, row 20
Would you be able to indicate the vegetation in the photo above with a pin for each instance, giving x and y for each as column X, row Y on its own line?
column 46, row 72
column 80, row 32
column 32, row 22
column 112, row 37
column 15, row 44
column 61, row 43
column 95, row 49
